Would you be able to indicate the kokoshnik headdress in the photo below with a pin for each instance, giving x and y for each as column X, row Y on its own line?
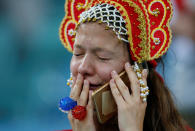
column 146, row 23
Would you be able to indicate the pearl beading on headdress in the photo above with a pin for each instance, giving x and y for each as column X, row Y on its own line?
column 107, row 14
column 143, row 88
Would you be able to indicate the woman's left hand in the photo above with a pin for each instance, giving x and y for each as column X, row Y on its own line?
column 131, row 108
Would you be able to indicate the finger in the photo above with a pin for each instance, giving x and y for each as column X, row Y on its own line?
column 84, row 94
column 135, row 86
column 121, row 86
column 73, row 82
column 116, row 94
column 70, row 118
column 76, row 90
column 145, row 75
column 90, row 106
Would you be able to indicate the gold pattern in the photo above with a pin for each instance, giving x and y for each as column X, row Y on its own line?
column 167, row 42
column 156, row 12
column 73, row 39
column 80, row 6
column 83, row 20
column 94, row 19
column 99, row 21
column 156, row 41
column 143, row 36
column 89, row 19
column 107, row 28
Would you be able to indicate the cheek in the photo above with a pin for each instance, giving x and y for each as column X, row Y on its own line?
column 74, row 67
column 105, row 71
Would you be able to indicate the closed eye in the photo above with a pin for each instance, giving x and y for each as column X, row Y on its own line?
column 76, row 54
column 103, row 58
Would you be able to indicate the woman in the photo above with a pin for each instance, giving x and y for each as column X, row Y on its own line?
column 107, row 37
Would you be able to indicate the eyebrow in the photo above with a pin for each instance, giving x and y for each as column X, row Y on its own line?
column 78, row 46
column 96, row 49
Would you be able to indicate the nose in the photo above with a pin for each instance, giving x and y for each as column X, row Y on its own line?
column 86, row 66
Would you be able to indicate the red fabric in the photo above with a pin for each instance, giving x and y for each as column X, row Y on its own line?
column 153, row 63
column 146, row 21
column 189, row 129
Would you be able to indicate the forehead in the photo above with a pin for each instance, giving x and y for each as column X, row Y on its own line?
column 95, row 35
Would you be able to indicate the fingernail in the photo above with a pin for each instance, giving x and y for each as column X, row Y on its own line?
column 127, row 64
column 113, row 73
column 145, row 72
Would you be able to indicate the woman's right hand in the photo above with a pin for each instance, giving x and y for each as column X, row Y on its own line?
column 84, row 98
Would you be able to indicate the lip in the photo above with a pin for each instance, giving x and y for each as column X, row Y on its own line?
column 93, row 87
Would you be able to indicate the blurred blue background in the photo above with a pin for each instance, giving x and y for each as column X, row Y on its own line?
column 34, row 67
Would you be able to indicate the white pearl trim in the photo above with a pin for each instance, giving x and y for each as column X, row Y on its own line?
column 103, row 13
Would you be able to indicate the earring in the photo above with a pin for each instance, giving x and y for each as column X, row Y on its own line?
column 144, row 89
column 70, row 81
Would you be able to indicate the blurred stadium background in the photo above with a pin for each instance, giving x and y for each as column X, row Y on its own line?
column 34, row 66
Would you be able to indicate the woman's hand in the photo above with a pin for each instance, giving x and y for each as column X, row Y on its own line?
column 81, row 95
column 131, row 108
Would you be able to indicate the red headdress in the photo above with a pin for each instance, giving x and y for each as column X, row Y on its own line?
column 147, row 24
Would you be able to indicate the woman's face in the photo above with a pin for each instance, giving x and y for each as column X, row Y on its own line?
column 96, row 53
